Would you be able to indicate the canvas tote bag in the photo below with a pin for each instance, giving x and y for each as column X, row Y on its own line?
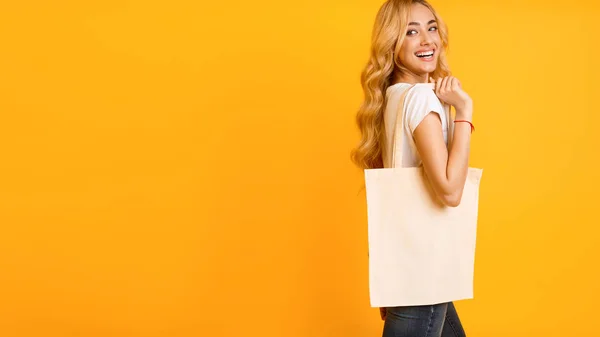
column 420, row 251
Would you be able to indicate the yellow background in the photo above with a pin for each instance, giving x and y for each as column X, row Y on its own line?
column 181, row 168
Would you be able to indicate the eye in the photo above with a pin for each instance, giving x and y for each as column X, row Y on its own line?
column 411, row 32
column 434, row 28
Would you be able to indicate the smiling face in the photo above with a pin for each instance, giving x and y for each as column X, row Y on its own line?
column 419, row 52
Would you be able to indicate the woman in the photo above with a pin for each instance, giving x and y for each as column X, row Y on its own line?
column 408, row 51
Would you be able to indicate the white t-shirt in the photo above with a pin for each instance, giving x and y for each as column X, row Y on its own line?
column 419, row 102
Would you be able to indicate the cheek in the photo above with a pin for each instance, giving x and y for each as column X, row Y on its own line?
column 403, row 57
column 405, row 51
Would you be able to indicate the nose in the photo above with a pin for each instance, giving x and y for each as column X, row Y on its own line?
column 426, row 39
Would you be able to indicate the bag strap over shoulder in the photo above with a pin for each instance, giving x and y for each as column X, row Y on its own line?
column 398, row 127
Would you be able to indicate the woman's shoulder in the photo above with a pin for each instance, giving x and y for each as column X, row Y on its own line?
column 415, row 91
column 422, row 90
column 419, row 101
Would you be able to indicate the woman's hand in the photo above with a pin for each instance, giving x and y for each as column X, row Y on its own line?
column 449, row 90
column 382, row 313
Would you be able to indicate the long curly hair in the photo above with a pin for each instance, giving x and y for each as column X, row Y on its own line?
column 382, row 67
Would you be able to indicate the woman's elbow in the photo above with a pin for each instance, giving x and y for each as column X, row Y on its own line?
column 451, row 200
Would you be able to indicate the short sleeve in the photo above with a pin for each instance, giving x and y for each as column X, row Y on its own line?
column 420, row 101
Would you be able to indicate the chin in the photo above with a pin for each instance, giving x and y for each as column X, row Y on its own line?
column 428, row 71
column 430, row 68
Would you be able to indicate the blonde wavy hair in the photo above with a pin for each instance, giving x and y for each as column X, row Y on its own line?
column 382, row 67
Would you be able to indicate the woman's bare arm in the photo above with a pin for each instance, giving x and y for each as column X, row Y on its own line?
column 447, row 170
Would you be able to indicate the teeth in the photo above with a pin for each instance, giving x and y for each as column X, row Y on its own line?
column 425, row 54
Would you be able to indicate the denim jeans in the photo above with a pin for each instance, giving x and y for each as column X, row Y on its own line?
column 439, row 320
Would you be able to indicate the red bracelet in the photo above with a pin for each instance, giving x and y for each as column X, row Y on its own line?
column 465, row 121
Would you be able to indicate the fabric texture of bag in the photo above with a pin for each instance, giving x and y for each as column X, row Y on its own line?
column 420, row 251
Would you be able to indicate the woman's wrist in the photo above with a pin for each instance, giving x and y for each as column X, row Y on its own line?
column 466, row 122
column 465, row 112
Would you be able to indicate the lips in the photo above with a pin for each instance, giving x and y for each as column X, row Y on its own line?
column 426, row 55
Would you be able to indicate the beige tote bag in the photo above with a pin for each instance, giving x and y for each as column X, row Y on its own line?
column 420, row 251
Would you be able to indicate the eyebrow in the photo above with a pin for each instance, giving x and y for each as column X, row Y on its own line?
column 418, row 24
